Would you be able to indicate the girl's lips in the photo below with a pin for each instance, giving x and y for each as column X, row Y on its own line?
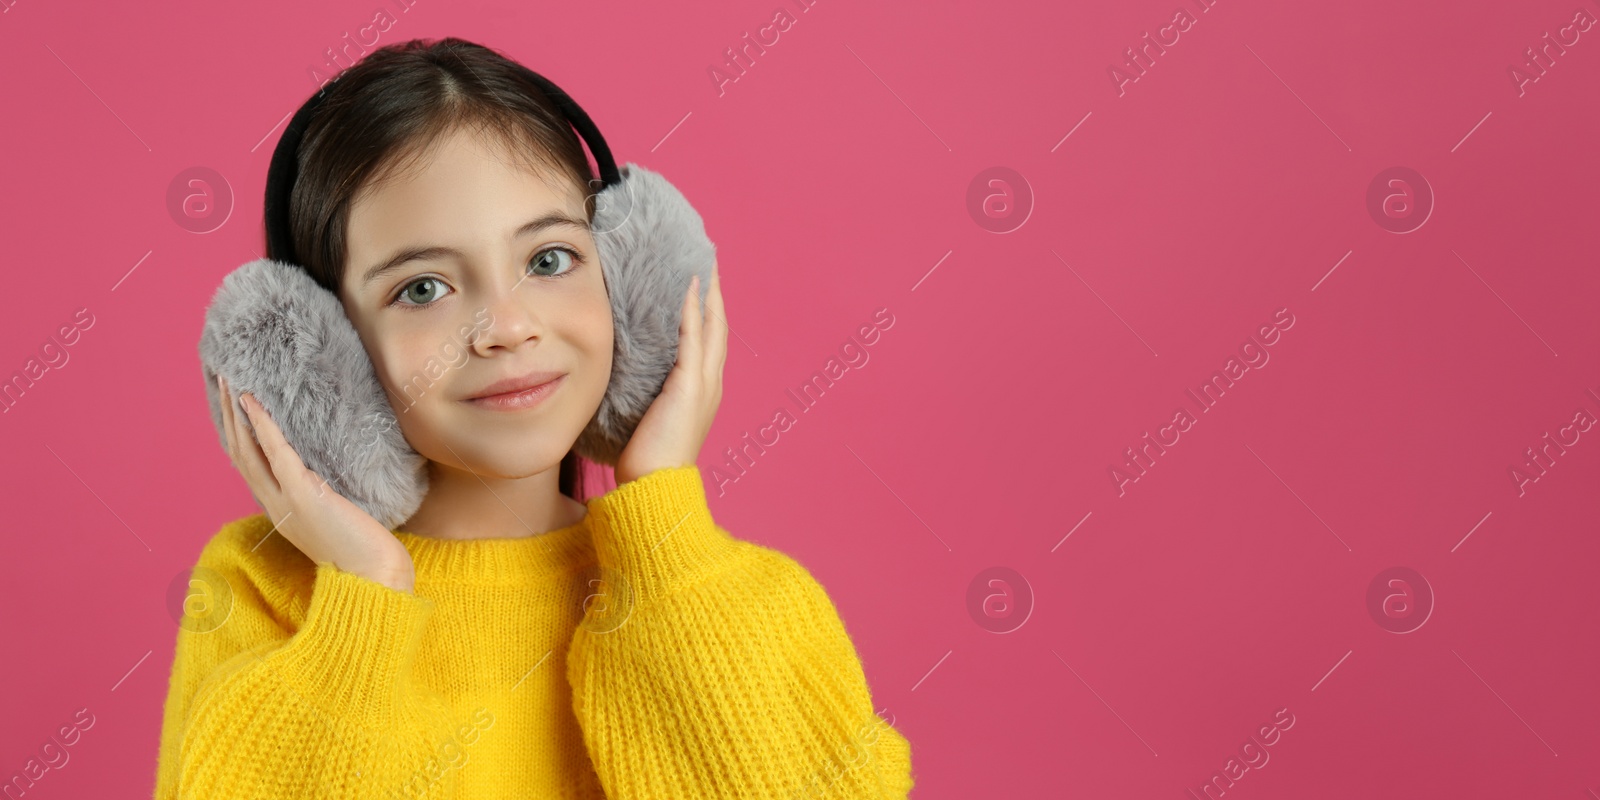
column 516, row 401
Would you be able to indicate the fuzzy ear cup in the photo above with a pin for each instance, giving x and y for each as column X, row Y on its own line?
column 271, row 330
column 651, row 243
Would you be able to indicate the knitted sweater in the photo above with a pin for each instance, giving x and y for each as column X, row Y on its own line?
column 641, row 653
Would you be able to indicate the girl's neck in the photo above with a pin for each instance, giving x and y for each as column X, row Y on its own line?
column 464, row 505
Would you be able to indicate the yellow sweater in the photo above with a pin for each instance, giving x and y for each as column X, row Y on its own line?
column 642, row 653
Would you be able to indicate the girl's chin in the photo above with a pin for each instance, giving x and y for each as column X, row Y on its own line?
column 505, row 457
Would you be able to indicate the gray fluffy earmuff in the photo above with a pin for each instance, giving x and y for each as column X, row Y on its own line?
column 271, row 330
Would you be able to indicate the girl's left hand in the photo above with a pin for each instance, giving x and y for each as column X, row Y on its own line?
column 679, row 418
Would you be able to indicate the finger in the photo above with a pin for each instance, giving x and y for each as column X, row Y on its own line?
column 259, row 471
column 227, row 420
column 284, row 461
column 238, row 436
column 689, row 328
column 239, row 429
column 716, row 325
column 280, row 458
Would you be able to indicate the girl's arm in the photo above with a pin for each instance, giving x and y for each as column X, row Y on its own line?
column 714, row 667
column 258, row 708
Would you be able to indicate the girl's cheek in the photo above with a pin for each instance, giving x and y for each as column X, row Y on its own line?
column 599, row 322
column 402, row 361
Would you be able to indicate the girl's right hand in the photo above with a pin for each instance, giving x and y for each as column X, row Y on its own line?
column 325, row 525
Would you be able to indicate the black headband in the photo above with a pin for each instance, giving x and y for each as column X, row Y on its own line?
column 285, row 165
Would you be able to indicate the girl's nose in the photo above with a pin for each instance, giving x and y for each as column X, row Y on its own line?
column 513, row 316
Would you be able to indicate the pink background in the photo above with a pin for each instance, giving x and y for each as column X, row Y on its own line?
column 1166, row 624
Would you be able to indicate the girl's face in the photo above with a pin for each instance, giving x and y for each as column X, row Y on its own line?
column 500, row 278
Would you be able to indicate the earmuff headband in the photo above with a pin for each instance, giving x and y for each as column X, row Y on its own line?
column 273, row 331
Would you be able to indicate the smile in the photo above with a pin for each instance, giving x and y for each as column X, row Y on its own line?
column 517, row 401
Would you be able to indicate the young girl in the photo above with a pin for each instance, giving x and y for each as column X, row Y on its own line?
column 509, row 640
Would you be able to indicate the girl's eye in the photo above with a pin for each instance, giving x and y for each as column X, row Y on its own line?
column 551, row 259
column 421, row 292
column 553, row 262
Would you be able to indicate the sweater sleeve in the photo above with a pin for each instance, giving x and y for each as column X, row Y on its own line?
column 715, row 667
column 258, row 707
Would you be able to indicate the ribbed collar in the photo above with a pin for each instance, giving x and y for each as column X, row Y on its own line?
column 519, row 560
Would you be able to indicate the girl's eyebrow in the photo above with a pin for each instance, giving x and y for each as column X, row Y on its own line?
column 430, row 252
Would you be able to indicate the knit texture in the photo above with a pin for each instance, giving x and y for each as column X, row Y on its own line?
column 642, row 653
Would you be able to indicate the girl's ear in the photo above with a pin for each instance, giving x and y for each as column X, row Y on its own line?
column 651, row 242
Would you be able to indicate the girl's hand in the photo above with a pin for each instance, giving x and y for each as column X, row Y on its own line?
column 325, row 525
column 676, row 423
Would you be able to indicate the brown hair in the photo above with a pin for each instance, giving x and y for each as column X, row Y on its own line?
column 383, row 114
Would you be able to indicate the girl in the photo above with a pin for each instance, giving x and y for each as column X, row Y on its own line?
column 510, row 640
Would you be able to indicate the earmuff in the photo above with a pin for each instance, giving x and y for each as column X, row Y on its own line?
column 273, row 331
